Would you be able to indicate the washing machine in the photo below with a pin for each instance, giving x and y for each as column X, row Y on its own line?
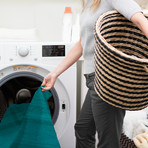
column 23, row 65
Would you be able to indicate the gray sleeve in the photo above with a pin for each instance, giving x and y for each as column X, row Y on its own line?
column 126, row 7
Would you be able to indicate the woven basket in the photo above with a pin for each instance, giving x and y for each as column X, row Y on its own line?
column 121, row 62
column 126, row 142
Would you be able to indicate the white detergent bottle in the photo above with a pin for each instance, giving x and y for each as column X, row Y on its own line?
column 67, row 25
column 76, row 29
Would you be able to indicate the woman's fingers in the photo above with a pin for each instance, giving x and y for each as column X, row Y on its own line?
column 145, row 136
column 141, row 140
column 44, row 82
column 136, row 141
column 48, row 82
column 46, row 88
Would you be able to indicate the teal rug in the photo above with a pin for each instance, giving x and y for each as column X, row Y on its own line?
column 29, row 125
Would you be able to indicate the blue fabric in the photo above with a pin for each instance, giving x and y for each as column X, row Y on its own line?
column 29, row 125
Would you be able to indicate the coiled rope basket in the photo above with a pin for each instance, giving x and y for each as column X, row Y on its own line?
column 121, row 62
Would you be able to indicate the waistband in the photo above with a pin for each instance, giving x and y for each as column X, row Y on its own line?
column 89, row 76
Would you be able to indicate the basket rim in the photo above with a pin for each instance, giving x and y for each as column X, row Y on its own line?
column 97, row 26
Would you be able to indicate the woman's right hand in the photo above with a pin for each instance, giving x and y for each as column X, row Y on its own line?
column 48, row 81
column 141, row 140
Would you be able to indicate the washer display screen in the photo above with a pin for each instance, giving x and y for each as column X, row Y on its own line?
column 53, row 50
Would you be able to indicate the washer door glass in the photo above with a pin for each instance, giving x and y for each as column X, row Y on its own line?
column 20, row 87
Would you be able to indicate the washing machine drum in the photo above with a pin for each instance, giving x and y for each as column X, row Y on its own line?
column 20, row 88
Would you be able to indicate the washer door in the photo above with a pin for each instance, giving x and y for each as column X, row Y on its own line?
column 19, row 87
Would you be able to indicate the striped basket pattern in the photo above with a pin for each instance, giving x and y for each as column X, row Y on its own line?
column 121, row 62
column 126, row 142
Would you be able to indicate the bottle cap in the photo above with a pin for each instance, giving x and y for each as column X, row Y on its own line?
column 67, row 10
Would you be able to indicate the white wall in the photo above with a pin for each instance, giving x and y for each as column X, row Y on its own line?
column 143, row 3
column 44, row 15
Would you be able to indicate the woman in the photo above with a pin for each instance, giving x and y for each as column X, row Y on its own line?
column 96, row 115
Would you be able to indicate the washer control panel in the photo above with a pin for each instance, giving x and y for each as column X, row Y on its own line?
column 29, row 52
column 23, row 51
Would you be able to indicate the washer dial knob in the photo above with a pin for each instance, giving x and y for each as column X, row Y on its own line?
column 23, row 52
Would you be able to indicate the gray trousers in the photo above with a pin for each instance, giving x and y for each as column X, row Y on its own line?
column 97, row 115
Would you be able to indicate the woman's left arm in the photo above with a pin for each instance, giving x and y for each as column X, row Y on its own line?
column 141, row 22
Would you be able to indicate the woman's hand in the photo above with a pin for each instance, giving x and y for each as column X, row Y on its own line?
column 141, row 22
column 141, row 140
column 49, row 81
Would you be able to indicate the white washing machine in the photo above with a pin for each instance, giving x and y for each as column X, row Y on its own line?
column 23, row 65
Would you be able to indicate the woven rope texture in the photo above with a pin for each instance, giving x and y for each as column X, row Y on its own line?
column 121, row 62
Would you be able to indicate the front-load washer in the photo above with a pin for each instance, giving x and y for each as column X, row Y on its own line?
column 23, row 65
